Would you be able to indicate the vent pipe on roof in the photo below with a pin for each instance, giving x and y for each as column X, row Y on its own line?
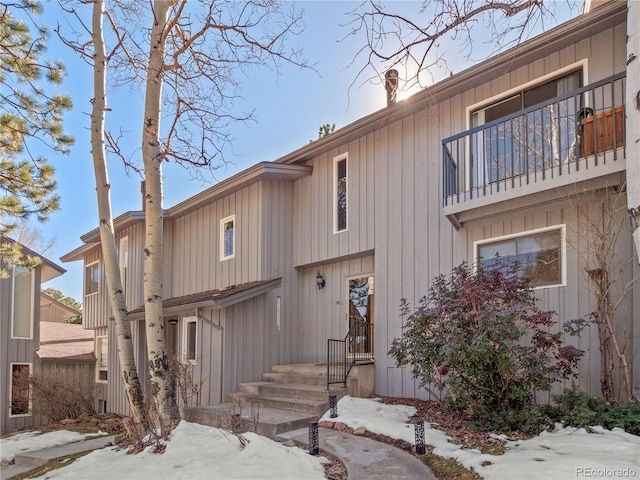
column 391, row 86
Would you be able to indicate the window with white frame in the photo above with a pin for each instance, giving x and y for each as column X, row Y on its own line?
column 190, row 339
column 20, row 389
column 540, row 254
column 340, row 193
column 91, row 278
column 102, row 359
column 123, row 259
column 227, row 237
column 22, row 302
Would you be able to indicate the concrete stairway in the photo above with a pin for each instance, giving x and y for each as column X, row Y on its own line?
column 289, row 397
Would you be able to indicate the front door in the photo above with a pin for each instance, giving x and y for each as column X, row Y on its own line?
column 360, row 317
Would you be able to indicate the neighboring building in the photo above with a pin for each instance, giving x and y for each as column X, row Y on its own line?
column 265, row 267
column 20, row 334
column 51, row 310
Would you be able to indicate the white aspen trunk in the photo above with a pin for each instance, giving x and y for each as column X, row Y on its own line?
column 163, row 398
column 107, row 236
column 632, row 143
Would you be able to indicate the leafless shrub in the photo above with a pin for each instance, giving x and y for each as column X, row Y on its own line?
column 58, row 399
column 189, row 390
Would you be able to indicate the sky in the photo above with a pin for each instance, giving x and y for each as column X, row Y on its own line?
column 199, row 452
column 289, row 109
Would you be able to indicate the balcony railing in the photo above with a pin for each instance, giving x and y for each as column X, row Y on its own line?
column 579, row 130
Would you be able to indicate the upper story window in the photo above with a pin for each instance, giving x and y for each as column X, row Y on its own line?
column 123, row 259
column 91, row 278
column 22, row 303
column 540, row 254
column 102, row 357
column 340, row 193
column 190, row 339
column 227, row 237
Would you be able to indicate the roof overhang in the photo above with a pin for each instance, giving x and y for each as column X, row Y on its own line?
column 217, row 299
column 48, row 269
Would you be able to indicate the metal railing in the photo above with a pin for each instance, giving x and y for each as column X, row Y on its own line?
column 556, row 137
column 342, row 355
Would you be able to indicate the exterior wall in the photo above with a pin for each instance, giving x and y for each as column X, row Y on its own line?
column 16, row 351
column 400, row 218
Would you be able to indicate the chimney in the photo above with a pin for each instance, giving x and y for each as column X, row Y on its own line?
column 143, row 190
column 391, row 86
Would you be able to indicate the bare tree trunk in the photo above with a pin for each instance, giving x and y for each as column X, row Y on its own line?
column 162, row 389
column 632, row 144
column 107, row 236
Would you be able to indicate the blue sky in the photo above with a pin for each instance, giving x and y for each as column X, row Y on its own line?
column 288, row 109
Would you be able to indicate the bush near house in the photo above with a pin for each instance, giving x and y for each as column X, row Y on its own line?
column 479, row 339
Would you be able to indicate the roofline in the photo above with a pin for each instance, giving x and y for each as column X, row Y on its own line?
column 78, row 253
column 605, row 16
column 253, row 174
column 60, row 304
column 50, row 269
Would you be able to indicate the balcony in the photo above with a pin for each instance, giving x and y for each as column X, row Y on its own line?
column 574, row 141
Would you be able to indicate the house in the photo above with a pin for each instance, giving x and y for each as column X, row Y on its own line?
column 266, row 267
column 51, row 310
column 20, row 333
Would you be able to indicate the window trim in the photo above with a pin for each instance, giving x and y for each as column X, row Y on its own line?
column 84, row 283
column 580, row 65
column 31, row 303
column 225, row 220
column 30, row 413
column 563, row 249
column 185, row 340
column 336, row 160
column 104, row 339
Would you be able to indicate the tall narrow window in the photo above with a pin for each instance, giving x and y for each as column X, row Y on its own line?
column 123, row 256
column 20, row 389
column 22, row 305
column 102, row 357
column 91, row 278
column 227, row 237
column 340, row 198
column 190, row 336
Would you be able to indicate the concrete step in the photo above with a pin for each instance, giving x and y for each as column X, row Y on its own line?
column 292, row 390
column 314, row 369
column 295, row 378
column 302, row 405
column 40, row 457
column 270, row 422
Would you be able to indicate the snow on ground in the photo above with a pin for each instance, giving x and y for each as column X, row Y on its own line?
column 29, row 441
column 196, row 452
column 565, row 453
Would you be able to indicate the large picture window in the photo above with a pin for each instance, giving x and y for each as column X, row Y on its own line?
column 22, row 303
column 227, row 237
column 540, row 254
column 340, row 193
column 123, row 260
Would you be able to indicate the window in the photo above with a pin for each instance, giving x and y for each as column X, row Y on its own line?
column 22, row 303
column 20, row 389
column 227, row 237
column 190, row 337
column 540, row 254
column 102, row 359
column 123, row 258
column 340, row 193
column 91, row 278
column 540, row 139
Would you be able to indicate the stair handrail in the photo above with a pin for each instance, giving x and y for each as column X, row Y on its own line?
column 338, row 368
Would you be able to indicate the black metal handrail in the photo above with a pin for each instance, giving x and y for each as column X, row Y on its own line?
column 342, row 355
column 552, row 138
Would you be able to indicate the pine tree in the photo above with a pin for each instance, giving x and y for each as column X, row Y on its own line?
column 31, row 117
